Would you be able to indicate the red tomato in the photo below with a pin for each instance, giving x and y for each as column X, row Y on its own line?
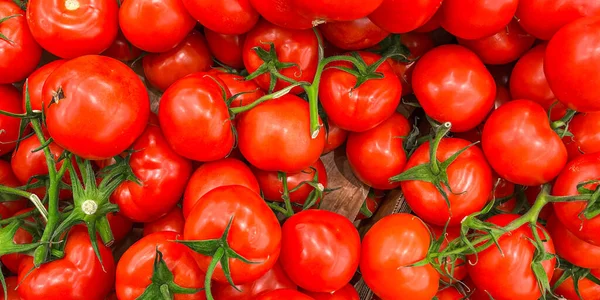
column 189, row 56
column 352, row 108
column 346, row 293
column 287, row 294
column 121, row 49
column 172, row 221
column 236, row 84
column 335, row 137
column 453, row 85
column 291, row 46
column 586, row 135
column 513, row 277
column 8, row 178
column 401, row 16
column 571, row 248
column 378, row 154
column 119, row 225
column 12, row 283
column 226, row 17
column 353, row 35
column 504, row 189
column 72, row 28
column 449, row 293
column 459, row 272
column 587, row 288
column 320, row 250
column 78, row 275
column 282, row 13
column 571, row 63
column 100, row 106
column 275, row 135
column 20, row 52
column 201, row 96
column 36, row 82
column 226, row 48
column 11, row 102
column 326, row 11
column 388, row 248
column 22, row 236
column 374, row 198
column 274, row 279
column 432, row 24
column 155, row 26
column 255, row 231
column 520, row 145
column 474, row 19
column 418, row 44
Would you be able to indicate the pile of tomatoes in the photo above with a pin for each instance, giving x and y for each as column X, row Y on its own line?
column 213, row 189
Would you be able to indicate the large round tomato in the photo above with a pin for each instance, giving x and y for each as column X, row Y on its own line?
column 453, row 85
column 11, row 102
column 388, row 248
column 287, row 294
column 155, row 25
column 571, row 248
column 474, row 19
column 520, row 145
column 587, row 288
column 586, row 135
column 247, row 91
column 348, row 292
column 282, row 13
column 172, row 221
column 378, row 154
column 418, row 44
column 121, row 49
column 513, row 277
column 275, row 135
column 8, row 178
column 226, row 48
column 36, row 82
column 22, row 236
column 325, row 10
column 99, row 106
column 400, row 16
column 320, row 250
column 72, row 28
column 20, row 52
column 353, row 35
column 274, row 279
column 197, row 101
column 571, row 64
column 226, row 17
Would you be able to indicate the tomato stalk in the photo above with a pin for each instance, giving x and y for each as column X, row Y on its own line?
column 32, row 197
column 237, row 110
column 561, row 126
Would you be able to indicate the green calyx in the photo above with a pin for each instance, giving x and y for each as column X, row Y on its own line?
column 7, row 234
column 576, row 274
column 592, row 209
column 271, row 65
column 561, row 127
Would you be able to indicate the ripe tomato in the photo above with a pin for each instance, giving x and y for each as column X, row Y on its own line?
column 282, row 13
column 78, row 275
column 357, row 34
column 100, row 106
column 121, row 49
column 449, row 293
column 255, row 231
column 73, row 28
column 353, row 108
column 335, row 137
column 587, row 288
column 172, row 221
column 22, row 236
column 12, row 283
column 236, row 84
column 378, row 154
column 346, row 293
column 287, row 294
column 119, row 225
column 459, row 270
column 226, row 48
column 388, row 248
column 571, row 62
column 571, row 248
column 326, row 11
column 274, row 279
column 452, row 85
column 418, row 44
column 201, row 96
column 586, row 135
column 401, row 16
column 155, row 26
column 11, row 102
column 473, row 19
column 520, row 145
column 211, row 175
column 8, row 178
column 291, row 46
column 320, row 250
column 374, row 198
column 504, row 189
column 275, row 135
column 20, row 52
column 226, row 17
column 189, row 56
column 36, row 84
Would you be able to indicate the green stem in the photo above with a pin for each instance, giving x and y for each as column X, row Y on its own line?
column 17, row 217
column 278, row 94
column 32, row 197
column 433, row 147
column 211, row 269
column 289, row 211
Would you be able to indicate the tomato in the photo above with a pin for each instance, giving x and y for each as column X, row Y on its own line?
column 78, row 275
column 287, row 294
column 172, row 221
column 248, row 90
column 320, row 250
column 571, row 62
column 401, row 16
column 255, row 231
column 100, row 106
column 121, row 49
column 473, row 19
column 520, row 145
column 274, row 279
column 388, row 248
column 36, row 82
column 226, row 17
column 452, row 85
column 20, row 52
column 543, row 18
column 188, row 57
column 197, row 101
column 356, row 34
column 587, row 288
column 326, row 11
column 586, row 135
column 418, row 44
column 449, row 293
column 353, row 108
column 374, row 198
column 155, row 26
column 504, row 190
column 119, row 225
column 378, row 154
column 431, row 25
column 335, row 137
column 22, row 236
column 11, row 102
column 226, row 48
column 291, row 46
column 582, row 169
column 12, row 283
column 346, row 293
column 459, row 270
column 8, row 178
column 282, row 13
column 70, row 29
column 571, row 248
column 275, row 135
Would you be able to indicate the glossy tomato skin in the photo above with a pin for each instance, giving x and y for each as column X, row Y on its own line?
column 226, row 17
column 155, row 26
column 255, row 231
column 469, row 177
column 282, row 13
column 401, row 16
column 378, row 154
column 172, row 221
column 104, row 109
column 226, row 48
column 449, row 293
column 211, row 175
column 287, row 294
column 201, row 96
column 11, row 102
column 473, row 19
column 8, row 178
column 274, row 279
column 520, row 145
column 582, row 169
column 586, row 135
column 247, row 90
column 292, row 46
column 346, row 293
column 353, row 35
column 188, row 57
column 326, row 11
column 78, row 275
column 418, row 44
column 354, row 108
column 121, row 49
column 320, row 250
column 571, row 62
column 335, row 137
column 22, row 54
column 22, row 236
column 12, row 283
column 587, row 288
column 70, row 29
column 392, row 244
column 452, row 85
column 36, row 82
column 571, row 248
column 119, row 225
column 275, row 135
